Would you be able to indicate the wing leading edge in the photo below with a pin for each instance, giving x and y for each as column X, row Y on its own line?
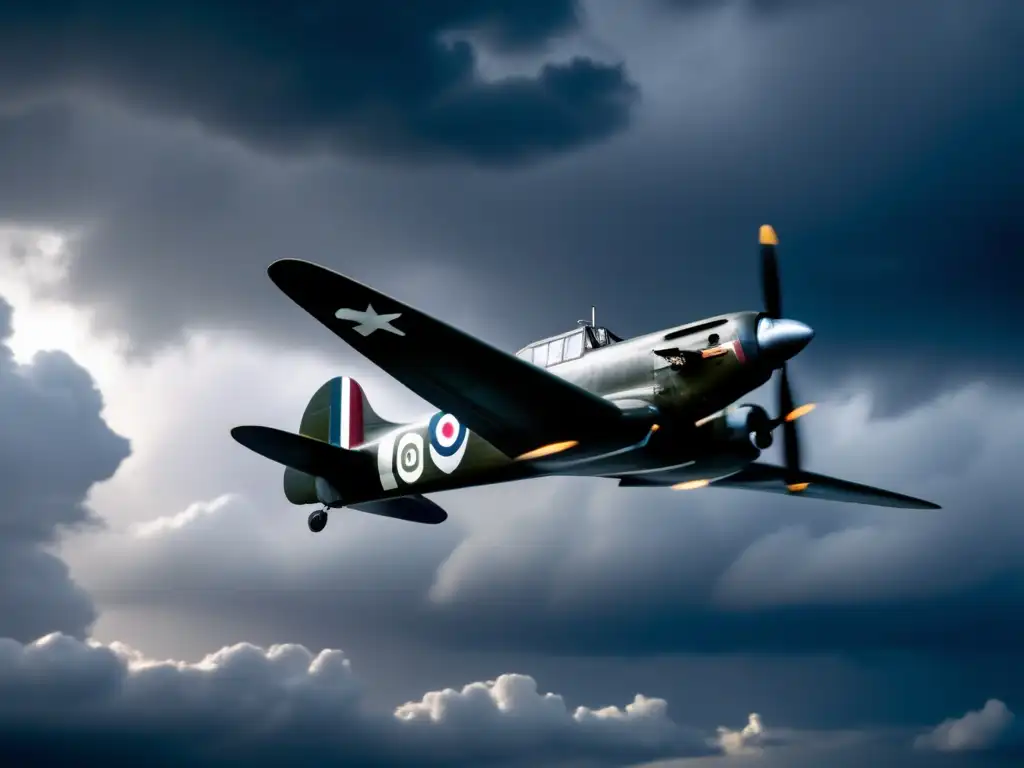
column 772, row 479
column 514, row 405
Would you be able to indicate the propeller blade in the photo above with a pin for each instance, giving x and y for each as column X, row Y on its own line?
column 770, row 284
column 790, row 435
column 771, row 288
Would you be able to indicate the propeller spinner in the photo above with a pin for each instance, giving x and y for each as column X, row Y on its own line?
column 779, row 340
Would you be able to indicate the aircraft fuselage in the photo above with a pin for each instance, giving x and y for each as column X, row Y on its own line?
column 702, row 368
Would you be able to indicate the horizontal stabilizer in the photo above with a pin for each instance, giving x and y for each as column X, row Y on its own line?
column 772, row 479
column 415, row 509
column 306, row 454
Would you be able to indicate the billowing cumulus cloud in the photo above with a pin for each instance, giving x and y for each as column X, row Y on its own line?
column 977, row 730
column 55, row 447
column 377, row 77
column 746, row 741
column 60, row 697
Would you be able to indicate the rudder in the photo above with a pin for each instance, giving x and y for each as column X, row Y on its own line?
column 338, row 413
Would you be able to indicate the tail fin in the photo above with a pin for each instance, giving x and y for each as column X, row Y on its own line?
column 340, row 414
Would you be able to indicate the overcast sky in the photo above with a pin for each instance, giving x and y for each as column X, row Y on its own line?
column 503, row 165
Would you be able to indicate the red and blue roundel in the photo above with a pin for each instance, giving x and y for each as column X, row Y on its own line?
column 448, row 439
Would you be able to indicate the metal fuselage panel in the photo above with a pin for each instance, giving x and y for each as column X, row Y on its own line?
column 631, row 369
column 683, row 388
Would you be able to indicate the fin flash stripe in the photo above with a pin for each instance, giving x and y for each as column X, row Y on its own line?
column 346, row 416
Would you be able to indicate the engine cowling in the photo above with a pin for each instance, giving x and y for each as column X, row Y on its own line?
column 743, row 425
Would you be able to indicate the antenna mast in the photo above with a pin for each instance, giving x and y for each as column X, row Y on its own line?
column 593, row 318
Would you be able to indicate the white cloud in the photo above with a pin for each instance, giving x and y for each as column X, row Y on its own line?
column 977, row 730
column 747, row 741
column 61, row 696
column 191, row 514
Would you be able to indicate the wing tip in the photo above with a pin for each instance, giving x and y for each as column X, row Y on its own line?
column 299, row 276
column 239, row 434
column 283, row 267
column 912, row 502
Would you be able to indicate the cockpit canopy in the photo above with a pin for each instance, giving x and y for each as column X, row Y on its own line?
column 567, row 346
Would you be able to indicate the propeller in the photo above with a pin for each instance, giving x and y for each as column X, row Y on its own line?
column 787, row 409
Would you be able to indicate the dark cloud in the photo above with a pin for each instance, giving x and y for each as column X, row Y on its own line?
column 55, row 447
column 63, row 698
column 881, row 141
column 376, row 77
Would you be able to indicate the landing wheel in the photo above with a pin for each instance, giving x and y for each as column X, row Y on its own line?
column 317, row 520
column 763, row 440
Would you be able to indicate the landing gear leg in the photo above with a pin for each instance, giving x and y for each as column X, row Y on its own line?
column 317, row 520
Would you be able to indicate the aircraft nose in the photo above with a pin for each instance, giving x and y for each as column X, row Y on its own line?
column 779, row 340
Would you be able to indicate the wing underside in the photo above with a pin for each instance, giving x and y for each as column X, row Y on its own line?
column 772, row 479
column 514, row 405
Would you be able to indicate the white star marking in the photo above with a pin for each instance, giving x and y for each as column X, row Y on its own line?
column 369, row 321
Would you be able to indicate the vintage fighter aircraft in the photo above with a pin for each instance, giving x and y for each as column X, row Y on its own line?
column 652, row 411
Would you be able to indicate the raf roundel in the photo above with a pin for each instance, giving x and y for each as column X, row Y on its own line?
column 448, row 440
column 410, row 458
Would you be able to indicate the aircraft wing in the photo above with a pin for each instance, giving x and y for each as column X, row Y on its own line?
column 514, row 405
column 771, row 479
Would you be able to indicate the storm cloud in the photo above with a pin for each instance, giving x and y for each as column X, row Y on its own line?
column 55, row 447
column 375, row 77
column 882, row 141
